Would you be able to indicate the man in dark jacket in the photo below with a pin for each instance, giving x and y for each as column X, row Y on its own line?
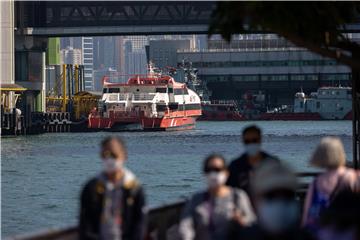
column 112, row 203
column 241, row 168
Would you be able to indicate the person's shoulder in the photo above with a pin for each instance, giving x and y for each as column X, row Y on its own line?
column 131, row 182
column 198, row 197
column 269, row 157
column 238, row 161
column 239, row 192
column 94, row 185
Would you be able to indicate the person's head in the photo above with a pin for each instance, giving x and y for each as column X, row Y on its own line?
column 329, row 154
column 273, row 187
column 251, row 137
column 113, row 154
column 215, row 170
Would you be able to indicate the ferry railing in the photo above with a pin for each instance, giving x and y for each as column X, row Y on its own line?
column 162, row 221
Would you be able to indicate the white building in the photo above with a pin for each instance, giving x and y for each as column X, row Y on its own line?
column 70, row 55
column 279, row 72
column 88, row 62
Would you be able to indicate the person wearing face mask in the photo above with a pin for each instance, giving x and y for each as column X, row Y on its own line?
column 112, row 205
column 211, row 214
column 241, row 168
column 273, row 187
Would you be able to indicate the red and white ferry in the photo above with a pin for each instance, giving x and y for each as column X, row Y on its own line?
column 151, row 102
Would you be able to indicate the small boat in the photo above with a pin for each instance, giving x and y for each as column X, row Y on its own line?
column 149, row 102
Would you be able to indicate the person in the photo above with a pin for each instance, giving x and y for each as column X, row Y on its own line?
column 112, row 204
column 212, row 214
column 273, row 186
column 329, row 155
column 340, row 221
column 241, row 168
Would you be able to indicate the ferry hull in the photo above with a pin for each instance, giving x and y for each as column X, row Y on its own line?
column 290, row 116
column 168, row 124
column 178, row 120
column 221, row 116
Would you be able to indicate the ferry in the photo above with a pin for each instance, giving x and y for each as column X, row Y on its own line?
column 327, row 103
column 149, row 102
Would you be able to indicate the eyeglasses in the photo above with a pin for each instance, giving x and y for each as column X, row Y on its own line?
column 214, row 169
column 108, row 154
column 253, row 140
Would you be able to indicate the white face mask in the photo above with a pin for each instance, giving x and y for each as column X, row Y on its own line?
column 278, row 216
column 216, row 179
column 112, row 165
column 252, row 149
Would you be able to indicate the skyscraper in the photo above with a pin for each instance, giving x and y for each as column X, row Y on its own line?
column 88, row 62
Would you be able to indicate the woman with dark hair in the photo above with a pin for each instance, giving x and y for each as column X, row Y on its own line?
column 211, row 214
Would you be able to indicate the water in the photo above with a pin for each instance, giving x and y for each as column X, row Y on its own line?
column 42, row 175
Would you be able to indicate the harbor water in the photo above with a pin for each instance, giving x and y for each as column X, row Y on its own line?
column 42, row 175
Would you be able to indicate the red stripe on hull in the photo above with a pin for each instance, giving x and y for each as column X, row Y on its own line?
column 178, row 123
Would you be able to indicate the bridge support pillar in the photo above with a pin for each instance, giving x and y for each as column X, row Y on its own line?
column 7, row 64
column 30, row 66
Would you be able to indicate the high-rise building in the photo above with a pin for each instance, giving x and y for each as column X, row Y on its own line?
column 137, row 42
column 53, row 51
column 164, row 52
column 88, row 62
column 119, row 55
column 70, row 55
column 100, row 74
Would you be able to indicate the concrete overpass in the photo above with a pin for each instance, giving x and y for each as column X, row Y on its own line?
column 96, row 18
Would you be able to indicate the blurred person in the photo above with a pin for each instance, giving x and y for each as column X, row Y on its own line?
column 330, row 156
column 112, row 204
column 273, row 187
column 241, row 168
column 341, row 221
column 213, row 213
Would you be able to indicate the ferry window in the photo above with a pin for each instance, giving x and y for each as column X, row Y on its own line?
column 161, row 90
column 114, row 90
column 178, row 91
column 170, row 90
column 105, row 90
column 160, row 108
column 186, row 91
column 173, row 106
